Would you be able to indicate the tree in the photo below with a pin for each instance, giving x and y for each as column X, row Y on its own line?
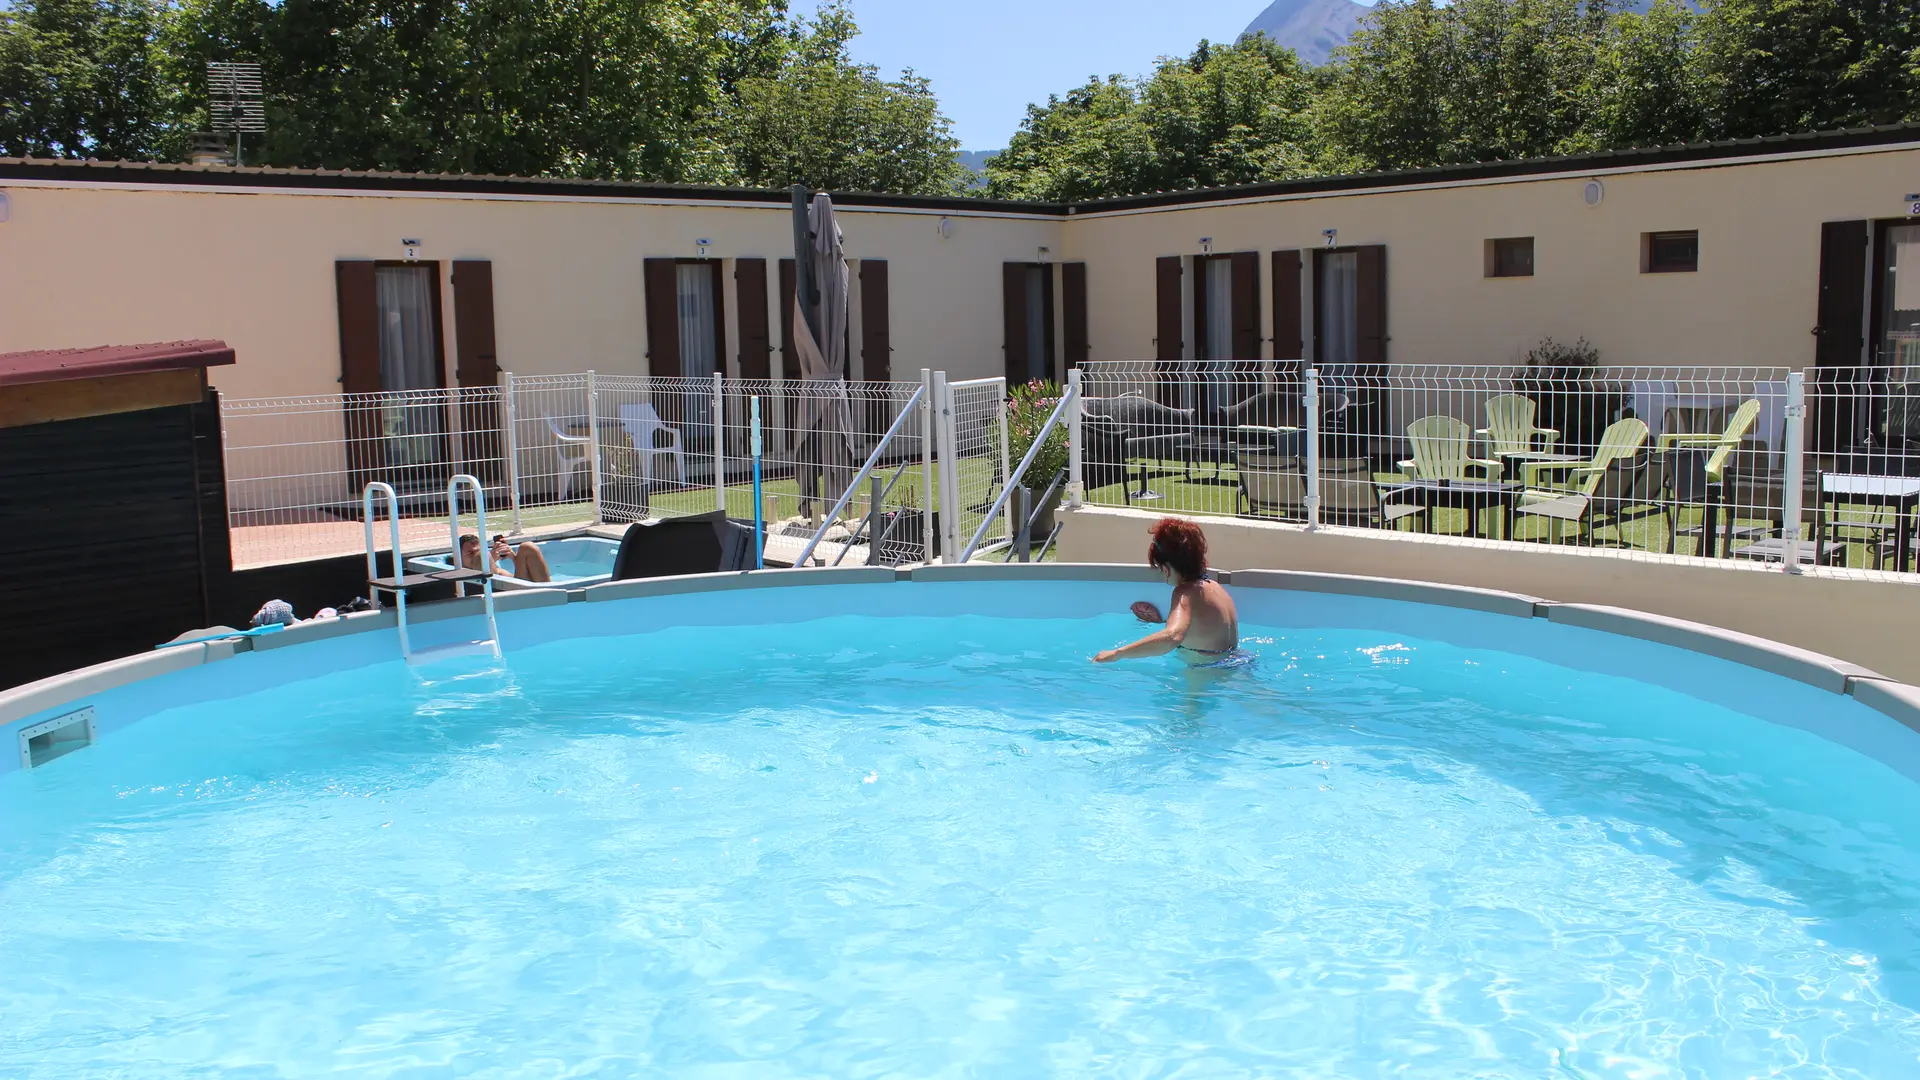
column 84, row 78
column 1645, row 88
column 1388, row 103
column 826, row 122
column 1773, row 66
column 1226, row 114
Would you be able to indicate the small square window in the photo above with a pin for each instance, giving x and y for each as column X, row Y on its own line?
column 1510, row 257
column 1670, row 252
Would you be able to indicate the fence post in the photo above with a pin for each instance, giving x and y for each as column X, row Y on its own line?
column 944, row 421
column 1313, row 447
column 1023, row 511
column 1076, row 488
column 927, row 503
column 1006, row 462
column 593, row 442
column 1795, row 472
column 719, row 444
column 513, row 447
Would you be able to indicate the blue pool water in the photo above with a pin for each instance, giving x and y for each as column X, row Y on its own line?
column 941, row 847
column 575, row 561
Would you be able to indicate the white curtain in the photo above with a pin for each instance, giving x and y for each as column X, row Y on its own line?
column 408, row 360
column 697, row 346
column 1339, row 325
column 1219, row 309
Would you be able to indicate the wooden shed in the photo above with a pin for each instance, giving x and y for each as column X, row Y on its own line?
column 113, row 518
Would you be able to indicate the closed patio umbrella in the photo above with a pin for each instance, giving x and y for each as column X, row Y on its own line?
column 820, row 339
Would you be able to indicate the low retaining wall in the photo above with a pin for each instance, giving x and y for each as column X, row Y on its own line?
column 1875, row 624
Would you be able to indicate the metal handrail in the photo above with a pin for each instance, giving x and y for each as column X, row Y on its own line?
column 1000, row 503
column 373, row 564
column 866, row 470
column 868, row 523
column 479, row 524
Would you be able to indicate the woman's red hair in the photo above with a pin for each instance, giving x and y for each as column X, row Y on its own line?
column 1180, row 546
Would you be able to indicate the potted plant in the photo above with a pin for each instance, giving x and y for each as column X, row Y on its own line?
column 1027, row 410
column 1573, row 399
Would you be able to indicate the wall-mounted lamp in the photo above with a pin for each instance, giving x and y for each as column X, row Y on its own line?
column 1206, row 245
column 1332, row 235
column 6, row 208
column 701, row 246
column 945, row 228
column 412, row 248
column 1044, row 252
column 1593, row 192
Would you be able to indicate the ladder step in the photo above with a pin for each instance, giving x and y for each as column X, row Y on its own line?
column 405, row 581
column 459, row 574
column 454, row 649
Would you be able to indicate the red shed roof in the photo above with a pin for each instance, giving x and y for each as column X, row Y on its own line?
column 59, row 365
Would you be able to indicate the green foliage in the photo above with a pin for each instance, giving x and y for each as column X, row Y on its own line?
column 85, row 78
column 1028, row 408
column 721, row 91
column 821, row 120
column 1227, row 114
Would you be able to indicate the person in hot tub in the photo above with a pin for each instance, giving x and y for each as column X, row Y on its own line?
column 1202, row 624
column 524, row 562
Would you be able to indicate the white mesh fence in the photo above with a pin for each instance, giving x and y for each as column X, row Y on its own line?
column 981, row 455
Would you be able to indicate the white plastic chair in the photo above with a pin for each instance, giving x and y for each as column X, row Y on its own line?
column 574, row 452
column 642, row 425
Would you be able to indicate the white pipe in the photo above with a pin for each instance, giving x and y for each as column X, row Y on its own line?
column 1076, row 444
column 513, row 448
column 593, row 443
column 1791, row 493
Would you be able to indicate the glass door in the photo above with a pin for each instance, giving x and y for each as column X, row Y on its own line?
column 413, row 425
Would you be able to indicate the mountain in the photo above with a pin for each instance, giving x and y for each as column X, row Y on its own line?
column 1311, row 28
column 1314, row 28
column 977, row 161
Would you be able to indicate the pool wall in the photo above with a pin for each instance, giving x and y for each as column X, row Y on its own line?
column 1870, row 621
column 1703, row 661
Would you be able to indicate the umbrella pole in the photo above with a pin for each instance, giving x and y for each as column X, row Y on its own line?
column 759, row 525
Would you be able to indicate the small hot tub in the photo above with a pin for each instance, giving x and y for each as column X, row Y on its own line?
column 576, row 562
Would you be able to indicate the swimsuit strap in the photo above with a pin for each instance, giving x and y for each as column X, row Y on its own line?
column 1206, row 652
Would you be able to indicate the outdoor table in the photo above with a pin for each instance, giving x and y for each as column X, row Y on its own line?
column 1860, row 489
column 1140, row 445
column 1472, row 496
column 1516, row 464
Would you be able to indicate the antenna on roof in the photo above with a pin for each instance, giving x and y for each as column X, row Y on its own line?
column 236, row 101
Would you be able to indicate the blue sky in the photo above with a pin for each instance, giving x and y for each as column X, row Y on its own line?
column 989, row 58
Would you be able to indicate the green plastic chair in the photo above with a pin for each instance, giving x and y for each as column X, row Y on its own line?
column 1572, row 499
column 1723, row 443
column 1510, row 428
column 1708, row 488
column 1443, row 450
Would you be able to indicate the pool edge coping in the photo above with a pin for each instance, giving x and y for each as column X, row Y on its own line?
column 1890, row 697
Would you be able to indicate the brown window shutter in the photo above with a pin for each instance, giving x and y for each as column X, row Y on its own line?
column 1073, row 299
column 1013, row 317
column 1370, row 306
column 359, row 327
column 474, row 361
column 475, row 365
column 1838, row 341
column 1287, row 338
column 359, row 364
column 750, row 285
column 1166, row 307
column 1246, row 305
column 663, row 317
column 789, row 355
column 876, row 336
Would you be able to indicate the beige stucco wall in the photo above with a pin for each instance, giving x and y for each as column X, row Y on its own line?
column 99, row 265
column 1871, row 623
column 1751, row 303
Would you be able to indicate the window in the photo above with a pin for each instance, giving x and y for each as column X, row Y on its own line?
column 1670, row 252
column 1510, row 257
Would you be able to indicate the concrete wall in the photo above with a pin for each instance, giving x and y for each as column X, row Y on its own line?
column 1752, row 302
column 95, row 265
column 1871, row 623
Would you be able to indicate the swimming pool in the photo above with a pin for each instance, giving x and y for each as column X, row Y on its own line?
column 904, row 828
column 574, row 561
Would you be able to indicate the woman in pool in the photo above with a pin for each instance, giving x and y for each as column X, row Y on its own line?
column 1202, row 625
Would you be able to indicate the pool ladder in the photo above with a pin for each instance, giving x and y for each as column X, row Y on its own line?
column 459, row 576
